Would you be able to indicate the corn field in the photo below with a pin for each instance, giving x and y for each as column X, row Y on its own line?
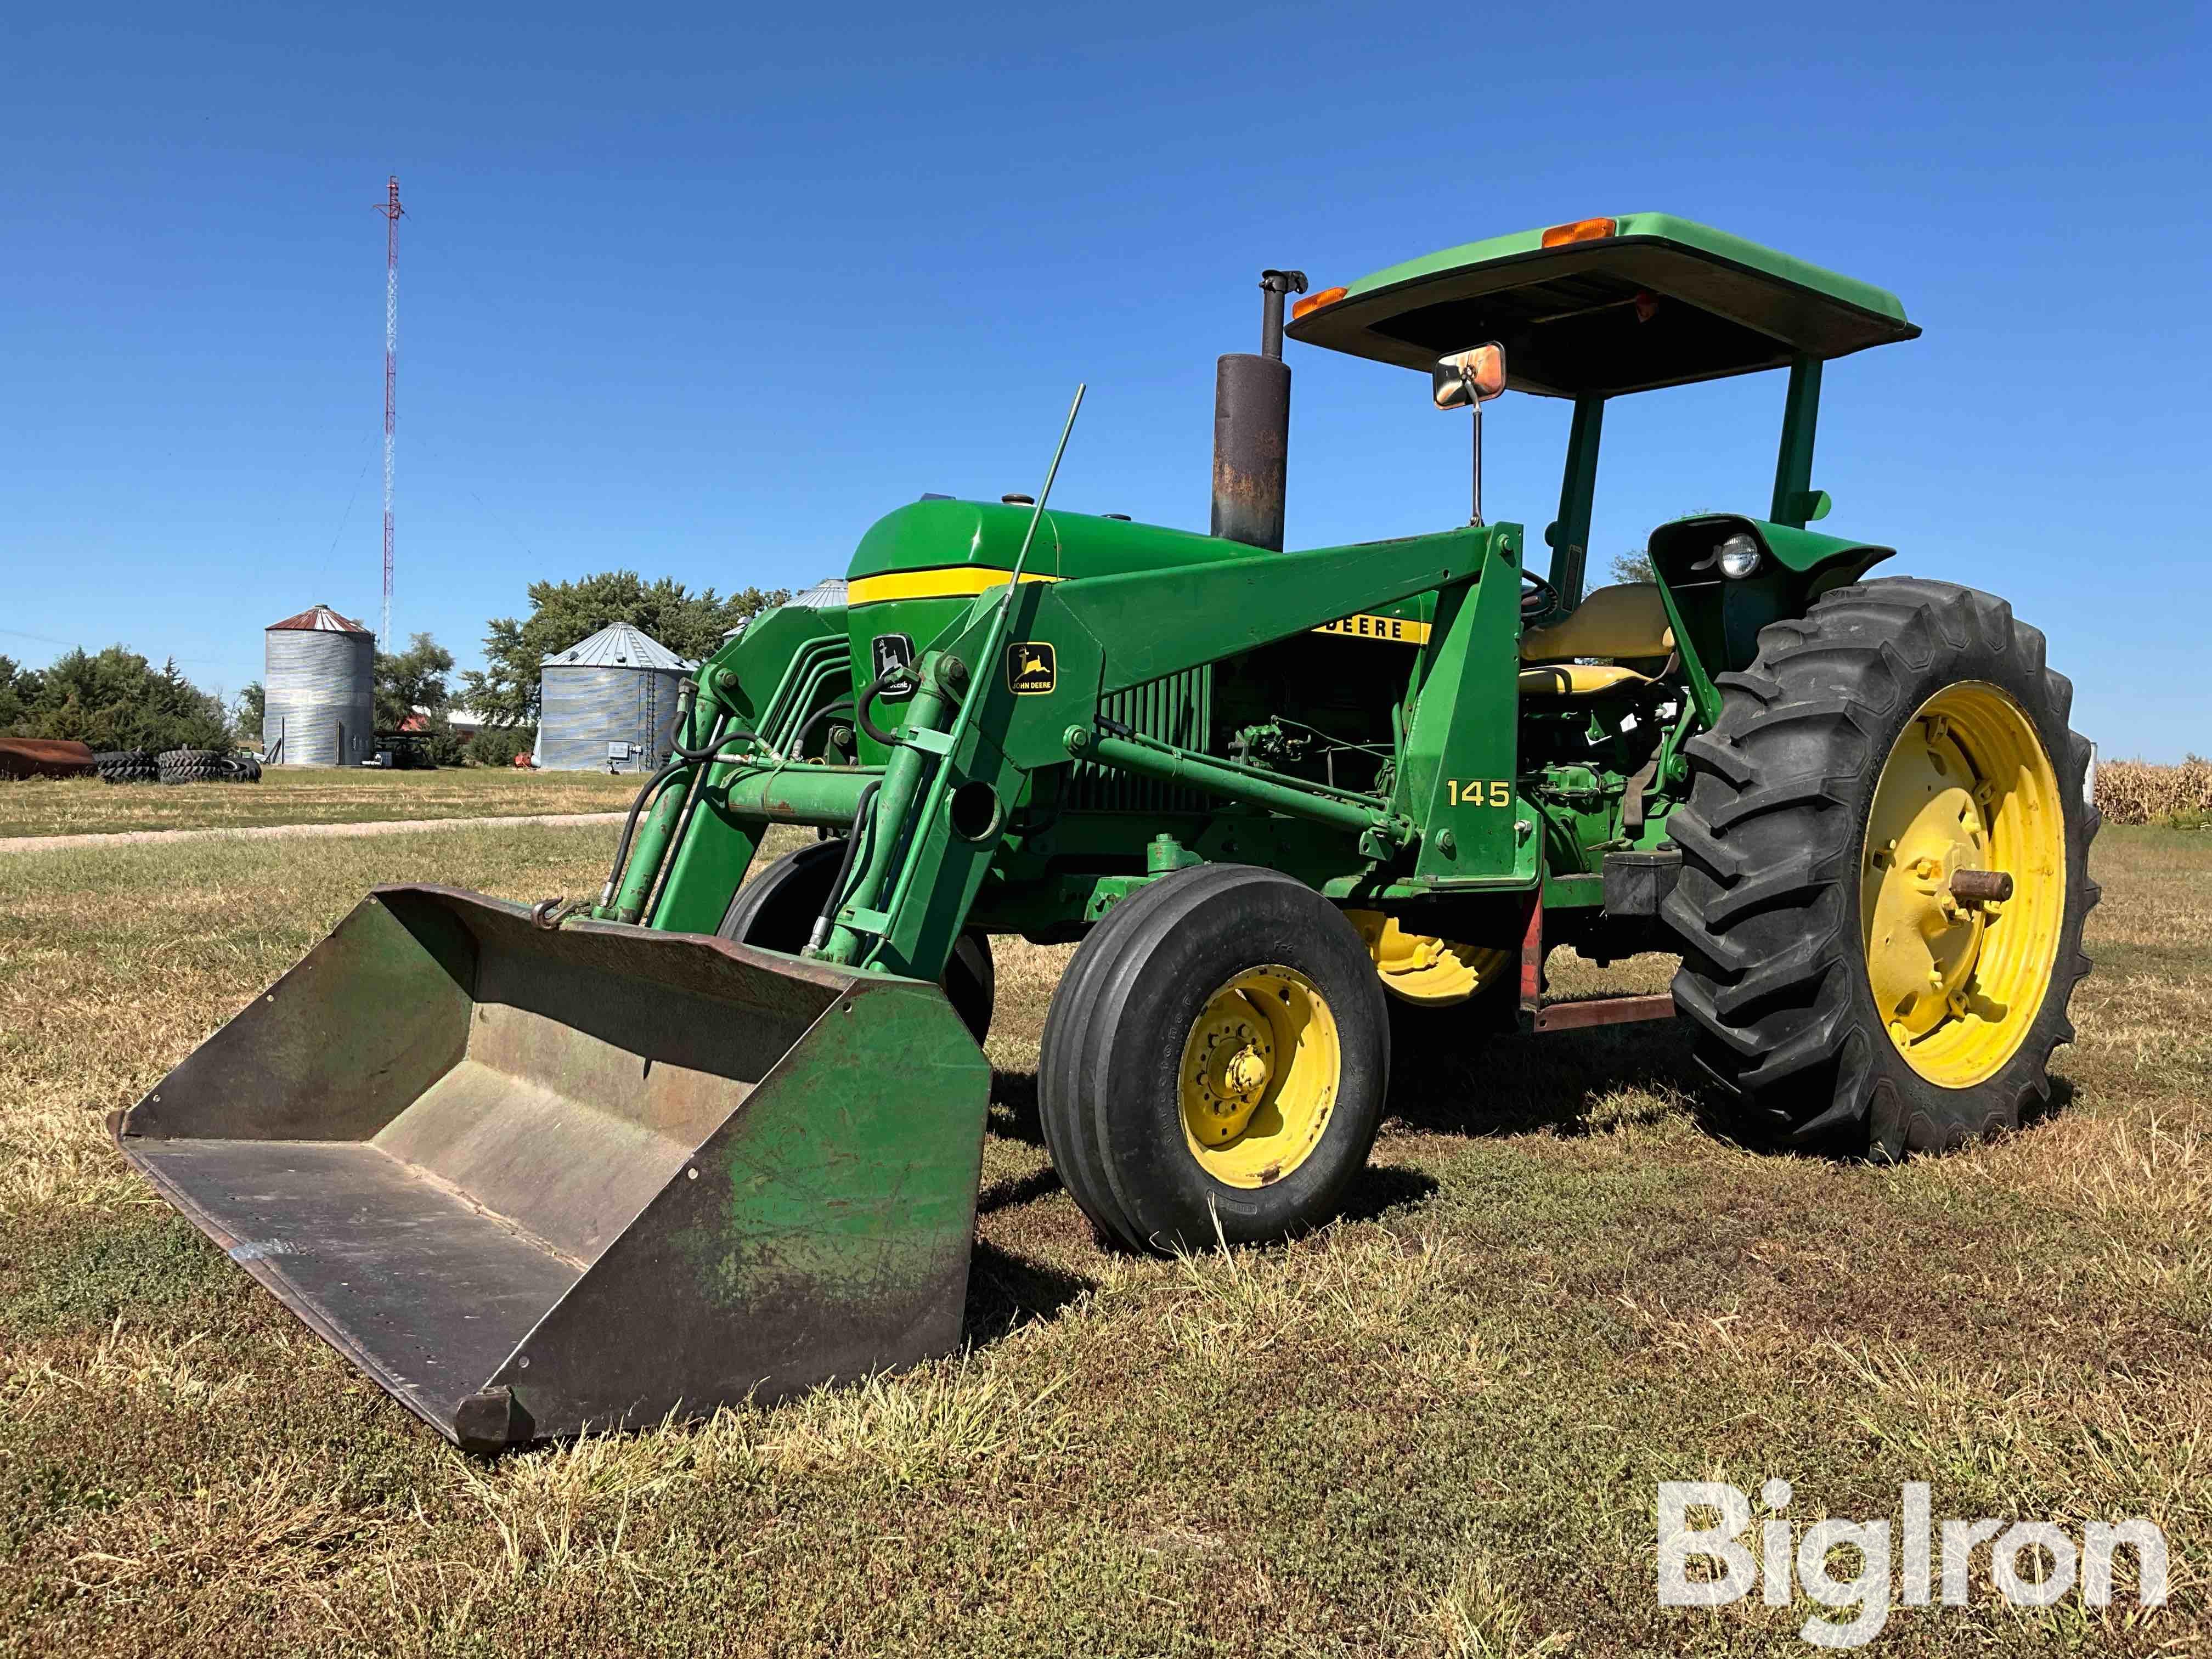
column 2136, row 791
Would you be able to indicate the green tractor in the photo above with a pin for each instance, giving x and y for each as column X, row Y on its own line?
column 709, row 1139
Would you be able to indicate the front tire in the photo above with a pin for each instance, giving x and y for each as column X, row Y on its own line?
column 1217, row 1055
column 1901, row 740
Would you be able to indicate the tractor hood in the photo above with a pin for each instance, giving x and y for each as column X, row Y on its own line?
column 945, row 549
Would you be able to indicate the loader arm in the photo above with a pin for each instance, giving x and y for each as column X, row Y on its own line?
column 1070, row 645
column 1102, row 634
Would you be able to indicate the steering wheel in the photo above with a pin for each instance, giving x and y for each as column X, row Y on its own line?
column 1540, row 602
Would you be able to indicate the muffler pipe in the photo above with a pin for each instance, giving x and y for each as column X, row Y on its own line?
column 1252, row 426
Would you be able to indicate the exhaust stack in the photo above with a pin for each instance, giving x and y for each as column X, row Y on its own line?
column 1252, row 426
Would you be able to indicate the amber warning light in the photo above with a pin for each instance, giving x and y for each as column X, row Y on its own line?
column 1327, row 296
column 1583, row 230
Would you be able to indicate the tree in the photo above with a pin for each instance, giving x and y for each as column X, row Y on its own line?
column 415, row 679
column 498, row 745
column 1633, row 567
column 13, row 681
column 253, row 711
column 563, row 613
column 118, row 700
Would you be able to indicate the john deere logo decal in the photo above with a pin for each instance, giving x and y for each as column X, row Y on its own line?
column 1029, row 667
column 890, row 651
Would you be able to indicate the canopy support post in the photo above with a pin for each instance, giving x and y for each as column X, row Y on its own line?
column 1793, row 465
column 1570, row 533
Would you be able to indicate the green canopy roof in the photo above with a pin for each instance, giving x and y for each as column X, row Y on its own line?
column 1661, row 301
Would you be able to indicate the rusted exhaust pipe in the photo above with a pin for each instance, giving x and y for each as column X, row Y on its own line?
column 1274, row 285
column 1252, row 426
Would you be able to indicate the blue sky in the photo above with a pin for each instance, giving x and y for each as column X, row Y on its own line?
column 704, row 292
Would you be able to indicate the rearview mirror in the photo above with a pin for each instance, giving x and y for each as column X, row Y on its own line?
column 1467, row 378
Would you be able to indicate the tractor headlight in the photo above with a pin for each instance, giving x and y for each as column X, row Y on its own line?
column 1739, row 556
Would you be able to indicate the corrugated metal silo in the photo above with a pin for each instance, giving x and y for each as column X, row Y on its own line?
column 320, row 682
column 609, row 703
column 828, row 594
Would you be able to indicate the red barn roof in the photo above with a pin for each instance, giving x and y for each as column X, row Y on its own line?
column 321, row 619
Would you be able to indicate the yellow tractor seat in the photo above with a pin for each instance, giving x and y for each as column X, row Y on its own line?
column 1577, row 679
column 1625, row 621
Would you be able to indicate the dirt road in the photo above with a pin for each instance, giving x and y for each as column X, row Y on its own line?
column 275, row 831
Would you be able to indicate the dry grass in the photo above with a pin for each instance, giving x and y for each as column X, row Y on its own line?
column 2137, row 791
column 1433, row 1429
column 84, row 806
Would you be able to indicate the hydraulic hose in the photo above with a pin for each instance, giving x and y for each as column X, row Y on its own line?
column 678, row 758
column 690, row 807
column 816, row 719
column 896, row 670
column 863, row 816
column 708, row 750
column 629, row 829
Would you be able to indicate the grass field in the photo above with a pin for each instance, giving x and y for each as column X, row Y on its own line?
column 1434, row 1429
column 83, row 806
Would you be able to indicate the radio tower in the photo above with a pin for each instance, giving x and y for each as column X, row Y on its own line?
column 391, row 210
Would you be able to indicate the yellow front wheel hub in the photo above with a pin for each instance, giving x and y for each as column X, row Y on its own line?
column 1420, row 967
column 1261, row 1067
column 1967, row 792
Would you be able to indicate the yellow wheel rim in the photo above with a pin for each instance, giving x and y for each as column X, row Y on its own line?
column 1421, row 969
column 1967, row 789
column 1261, row 1070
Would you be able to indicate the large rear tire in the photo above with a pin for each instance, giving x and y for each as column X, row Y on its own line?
column 1896, row 751
column 777, row 908
column 1216, row 1055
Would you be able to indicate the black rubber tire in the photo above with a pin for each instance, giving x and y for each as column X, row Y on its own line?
column 241, row 769
column 1107, row 1075
column 777, row 908
column 1774, row 974
column 191, row 766
column 126, row 766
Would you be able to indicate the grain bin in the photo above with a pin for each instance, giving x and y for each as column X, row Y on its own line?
column 608, row 703
column 828, row 594
column 320, row 685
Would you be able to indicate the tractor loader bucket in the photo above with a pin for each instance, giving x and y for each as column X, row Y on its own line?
column 534, row 1180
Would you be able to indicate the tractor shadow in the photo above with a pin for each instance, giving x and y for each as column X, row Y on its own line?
column 2036, row 1114
column 1014, row 1279
column 1015, row 1191
column 1013, row 1113
column 1006, row 1291
column 1027, row 1266
column 1382, row 1189
column 1010, row 1288
column 1485, row 1079
column 1573, row 1084
column 1499, row 1083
